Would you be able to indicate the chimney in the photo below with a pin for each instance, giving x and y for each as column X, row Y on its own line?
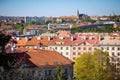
column 27, row 38
column 38, row 38
column 90, row 37
column 49, row 38
column 61, row 37
column 72, row 38
column 18, row 38
column 13, row 49
column 35, row 47
column 13, row 37
column 84, row 37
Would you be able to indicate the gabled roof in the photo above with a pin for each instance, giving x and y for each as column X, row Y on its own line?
column 21, row 42
column 32, row 41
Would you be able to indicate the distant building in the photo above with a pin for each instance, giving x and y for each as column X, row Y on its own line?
column 57, row 26
column 117, row 24
column 71, row 46
column 49, row 34
column 68, row 19
column 111, row 44
column 31, row 30
column 35, row 18
column 81, row 16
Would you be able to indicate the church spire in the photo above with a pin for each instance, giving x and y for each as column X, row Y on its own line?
column 78, row 13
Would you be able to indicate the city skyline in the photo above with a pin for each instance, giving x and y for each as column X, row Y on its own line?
column 58, row 7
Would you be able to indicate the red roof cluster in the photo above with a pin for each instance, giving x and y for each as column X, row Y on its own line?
column 58, row 40
column 41, row 58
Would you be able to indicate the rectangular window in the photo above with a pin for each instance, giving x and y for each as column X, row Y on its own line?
column 84, row 48
column 74, row 53
column 46, row 63
column 107, row 48
column 56, row 48
column 67, row 48
column 112, row 58
column 78, row 53
column 48, row 72
column 55, row 63
column 66, row 53
column 66, row 71
column 74, row 48
column 89, row 48
column 73, row 58
column 61, row 48
column 112, row 48
column 118, row 53
column 118, row 48
column 113, row 54
column 102, row 48
column 79, row 48
column 94, row 48
column 50, row 48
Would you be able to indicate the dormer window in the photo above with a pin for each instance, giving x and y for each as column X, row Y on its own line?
column 24, row 65
column 64, row 62
column 46, row 63
column 55, row 63
column 84, row 43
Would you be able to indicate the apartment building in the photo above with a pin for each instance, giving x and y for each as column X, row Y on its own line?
column 70, row 46
column 112, row 46
column 41, row 64
column 84, row 43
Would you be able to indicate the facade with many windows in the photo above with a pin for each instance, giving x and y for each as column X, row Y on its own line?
column 112, row 46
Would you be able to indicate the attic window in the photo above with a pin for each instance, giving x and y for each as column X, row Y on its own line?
column 46, row 63
column 84, row 43
column 55, row 63
column 64, row 62
column 24, row 65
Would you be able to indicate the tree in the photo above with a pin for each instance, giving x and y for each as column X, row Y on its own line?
column 32, row 22
column 75, row 29
column 4, row 39
column 102, row 65
column 93, row 67
column 109, row 29
column 59, row 73
column 19, row 27
column 84, row 67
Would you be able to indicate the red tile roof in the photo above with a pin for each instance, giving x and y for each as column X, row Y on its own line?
column 32, row 41
column 21, row 42
column 56, row 40
column 69, row 17
column 45, row 57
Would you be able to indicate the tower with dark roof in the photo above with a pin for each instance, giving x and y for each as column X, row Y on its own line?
column 78, row 15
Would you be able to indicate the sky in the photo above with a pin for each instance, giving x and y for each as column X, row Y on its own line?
column 56, row 8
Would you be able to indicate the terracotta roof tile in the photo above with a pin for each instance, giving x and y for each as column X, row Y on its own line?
column 21, row 42
column 40, row 57
column 32, row 41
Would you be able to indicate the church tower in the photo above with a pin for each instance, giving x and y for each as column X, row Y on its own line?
column 78, row 15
